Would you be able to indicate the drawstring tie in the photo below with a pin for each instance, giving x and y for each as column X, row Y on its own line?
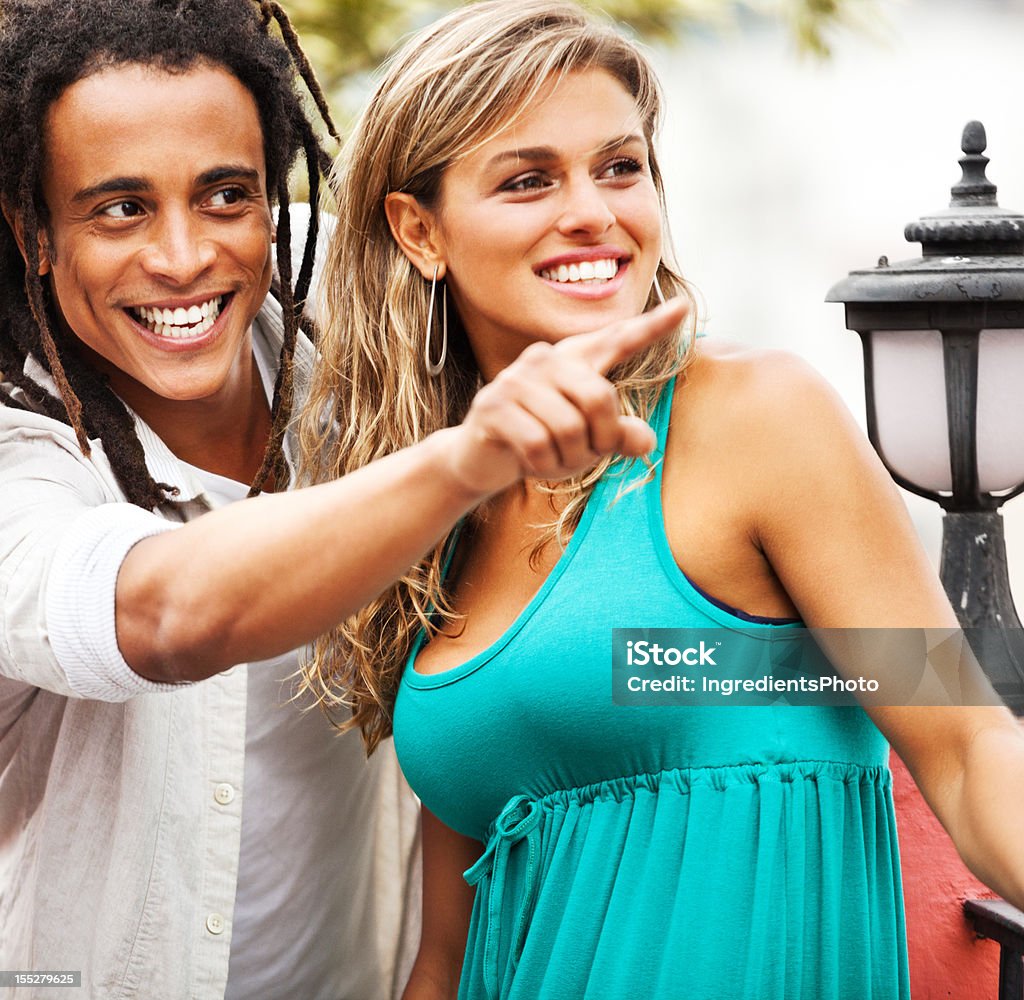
column 516, row 822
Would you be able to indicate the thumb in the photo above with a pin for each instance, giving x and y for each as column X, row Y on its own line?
column 636, row 437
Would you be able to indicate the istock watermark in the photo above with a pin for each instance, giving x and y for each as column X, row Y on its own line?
column 797, row 666
column 641, row 653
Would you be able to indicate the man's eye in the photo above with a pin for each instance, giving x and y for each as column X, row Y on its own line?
column 227, row 197
column 122, row 210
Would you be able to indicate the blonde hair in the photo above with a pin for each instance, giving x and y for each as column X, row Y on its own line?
column 449, row 89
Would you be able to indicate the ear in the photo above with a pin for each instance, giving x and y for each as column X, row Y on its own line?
column 15, row 221
column 417, row 233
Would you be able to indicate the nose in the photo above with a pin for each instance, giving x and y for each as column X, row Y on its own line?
column 177, row 251
column 586, row 210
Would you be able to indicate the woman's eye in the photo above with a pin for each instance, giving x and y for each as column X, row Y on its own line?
column 623, row 167
column 122, row 210
column 527, row 182
column 227, row 197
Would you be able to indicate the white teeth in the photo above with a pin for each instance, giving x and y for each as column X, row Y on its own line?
column 180, row 323
column 586, row 270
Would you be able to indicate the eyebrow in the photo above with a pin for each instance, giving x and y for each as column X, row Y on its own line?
column 140, row 185
column 133, row 185
column 545, row 154
column 230, row 172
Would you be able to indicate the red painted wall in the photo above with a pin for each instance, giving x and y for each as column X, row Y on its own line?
column 946, row 959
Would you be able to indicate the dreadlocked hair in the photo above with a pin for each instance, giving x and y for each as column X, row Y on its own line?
column 451, row 88
column 48, row 45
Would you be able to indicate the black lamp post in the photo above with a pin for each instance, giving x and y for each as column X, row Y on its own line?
column 943, row 338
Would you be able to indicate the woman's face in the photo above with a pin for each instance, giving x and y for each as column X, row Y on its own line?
column 553, row 227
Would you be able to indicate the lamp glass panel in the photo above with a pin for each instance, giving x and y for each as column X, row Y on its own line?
column 1000, row 410
column 910, row 406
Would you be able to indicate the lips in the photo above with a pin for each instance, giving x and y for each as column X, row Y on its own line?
column 603, row 269
column 179, row 322
column 587, row 273
column 585, row 267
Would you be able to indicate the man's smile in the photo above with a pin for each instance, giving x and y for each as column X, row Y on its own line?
column 179, row 322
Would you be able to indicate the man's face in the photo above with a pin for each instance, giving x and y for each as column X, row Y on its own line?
column 159, row 250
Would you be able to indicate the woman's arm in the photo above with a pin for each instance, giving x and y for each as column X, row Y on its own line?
column 447, row 903
column 263, row 576
column 826, row 515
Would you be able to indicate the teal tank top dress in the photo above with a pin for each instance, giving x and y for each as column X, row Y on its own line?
column 680, row 852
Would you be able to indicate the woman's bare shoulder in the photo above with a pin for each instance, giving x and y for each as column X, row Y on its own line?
column 717, row 358
column 755, row 390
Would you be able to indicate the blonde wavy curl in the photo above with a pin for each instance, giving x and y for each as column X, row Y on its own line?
column 451, row 87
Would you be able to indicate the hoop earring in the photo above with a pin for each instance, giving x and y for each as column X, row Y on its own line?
column 433, row 370
column 658, row 294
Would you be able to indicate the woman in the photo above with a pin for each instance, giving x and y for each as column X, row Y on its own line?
column 161, row 803
column 505, row 166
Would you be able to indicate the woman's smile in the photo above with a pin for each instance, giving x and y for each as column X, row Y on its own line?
column 592, row 273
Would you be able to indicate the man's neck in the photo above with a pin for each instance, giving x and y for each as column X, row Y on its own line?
column 226, row 433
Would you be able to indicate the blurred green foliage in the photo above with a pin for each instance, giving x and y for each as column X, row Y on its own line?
column 347, row 38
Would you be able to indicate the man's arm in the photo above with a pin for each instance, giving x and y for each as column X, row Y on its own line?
column 260, row 577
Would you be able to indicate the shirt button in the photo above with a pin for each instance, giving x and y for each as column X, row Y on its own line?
column 224, row 793
column 215, row 923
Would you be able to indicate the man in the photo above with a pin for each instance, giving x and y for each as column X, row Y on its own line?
column 169, row 838
column 139, row 189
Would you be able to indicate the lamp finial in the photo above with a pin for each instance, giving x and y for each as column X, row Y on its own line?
column 973, row 188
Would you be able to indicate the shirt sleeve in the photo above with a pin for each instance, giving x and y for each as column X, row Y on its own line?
column 64, row 533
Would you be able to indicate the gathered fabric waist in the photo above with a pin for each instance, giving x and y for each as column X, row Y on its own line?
column 683, row 779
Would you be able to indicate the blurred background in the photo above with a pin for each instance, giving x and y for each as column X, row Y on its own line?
column 801, row 137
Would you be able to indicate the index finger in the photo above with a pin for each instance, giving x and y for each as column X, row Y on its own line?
column 605, row 348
